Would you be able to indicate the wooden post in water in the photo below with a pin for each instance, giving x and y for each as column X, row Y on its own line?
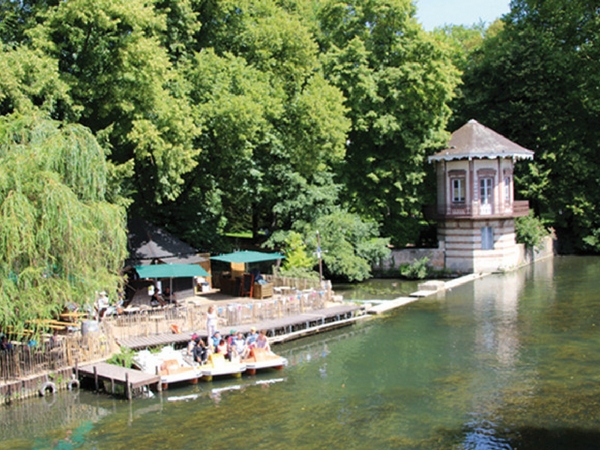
column 96, row 379
column 127, row 387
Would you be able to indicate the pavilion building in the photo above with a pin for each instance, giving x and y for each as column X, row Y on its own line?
column 475, row 207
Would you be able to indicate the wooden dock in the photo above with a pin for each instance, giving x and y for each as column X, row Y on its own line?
column 130, row 379
column 278, row 330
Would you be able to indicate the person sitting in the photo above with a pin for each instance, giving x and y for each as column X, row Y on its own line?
column 251, row 338
column 191, row 344
column 156, row 300
column 6, row 345
column 231, row 337
column 216, row 338
column 262, row 341
column 169, row 297
column 102, row 305
column 200, row 352
column 223, row 349
column 258, row 278
column 239, row 347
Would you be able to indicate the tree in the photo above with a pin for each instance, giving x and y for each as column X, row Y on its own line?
column 30, row 81
column 272, row 125
column 298, row 262
column 61, row 240
column 397, row 81
column 124, row 87
column 546, row 48
column 350, row 245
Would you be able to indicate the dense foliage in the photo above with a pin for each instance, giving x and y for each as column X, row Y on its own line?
column 536, row 82
column 530, row 231
column 60, row 240
column 212, row 116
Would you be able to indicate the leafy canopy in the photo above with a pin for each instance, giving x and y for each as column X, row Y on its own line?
column 60, row 240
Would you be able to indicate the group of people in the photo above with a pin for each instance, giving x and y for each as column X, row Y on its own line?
column 233, row 346
column 164, row 298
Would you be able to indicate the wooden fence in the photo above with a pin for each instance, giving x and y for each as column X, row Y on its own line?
column 26, row 360
column 300, row 284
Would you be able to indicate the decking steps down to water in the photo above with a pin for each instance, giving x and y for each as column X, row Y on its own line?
column 117, row 375
column 278, row 330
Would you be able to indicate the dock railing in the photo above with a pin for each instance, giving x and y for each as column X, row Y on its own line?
column 191, row 317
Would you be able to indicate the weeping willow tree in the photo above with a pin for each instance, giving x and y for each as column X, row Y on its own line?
column 60, row 239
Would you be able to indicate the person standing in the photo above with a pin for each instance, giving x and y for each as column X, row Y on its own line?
column 211, row 321
column 102, row 304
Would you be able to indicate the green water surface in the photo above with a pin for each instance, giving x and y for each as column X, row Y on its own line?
column 506, row 362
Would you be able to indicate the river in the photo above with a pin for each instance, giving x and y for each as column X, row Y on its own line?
column 505, row 362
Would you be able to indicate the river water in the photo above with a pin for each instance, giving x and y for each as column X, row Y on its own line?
column 505, row 362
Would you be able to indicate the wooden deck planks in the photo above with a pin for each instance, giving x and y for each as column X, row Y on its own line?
column 106, row 371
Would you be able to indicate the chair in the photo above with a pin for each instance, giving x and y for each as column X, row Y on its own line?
column 247, row 285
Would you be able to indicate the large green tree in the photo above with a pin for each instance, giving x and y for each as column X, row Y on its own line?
column 536, row 82
column 397, row 80
column 124, row 87
column 272, row 125
column 60, row 240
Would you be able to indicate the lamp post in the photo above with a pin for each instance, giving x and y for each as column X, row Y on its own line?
column 320, row 260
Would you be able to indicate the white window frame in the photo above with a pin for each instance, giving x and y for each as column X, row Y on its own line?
column 486, row 195
column 458, row 190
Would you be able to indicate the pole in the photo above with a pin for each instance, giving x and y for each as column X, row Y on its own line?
column 320, row 260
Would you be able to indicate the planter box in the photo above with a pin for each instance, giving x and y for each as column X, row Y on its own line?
column 262, row 290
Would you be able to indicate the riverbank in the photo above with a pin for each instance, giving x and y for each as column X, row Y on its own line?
column 336, row 314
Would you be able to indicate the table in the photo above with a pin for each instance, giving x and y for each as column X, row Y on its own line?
column 73, row 316
column 131, row 310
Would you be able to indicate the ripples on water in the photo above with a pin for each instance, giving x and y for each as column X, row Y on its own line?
column 506, row 362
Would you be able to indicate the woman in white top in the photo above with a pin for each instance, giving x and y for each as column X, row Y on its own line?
column 211, row 322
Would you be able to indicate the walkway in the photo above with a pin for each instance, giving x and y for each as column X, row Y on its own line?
column 425, row 290
column 278, row 330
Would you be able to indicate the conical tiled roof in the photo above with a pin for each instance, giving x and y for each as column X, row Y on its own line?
column 147, row 242
column 474, row 140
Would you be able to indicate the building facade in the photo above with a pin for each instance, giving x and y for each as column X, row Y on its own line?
column 475, row 207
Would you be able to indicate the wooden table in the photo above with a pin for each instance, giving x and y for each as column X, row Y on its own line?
column 131, row 310
column 73, row 316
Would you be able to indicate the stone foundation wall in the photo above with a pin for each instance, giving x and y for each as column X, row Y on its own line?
column 517, row 256
column 399, row 257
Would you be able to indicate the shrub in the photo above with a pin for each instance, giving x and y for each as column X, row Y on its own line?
column 123, row 358
column 418, row 270
column 530, row 231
